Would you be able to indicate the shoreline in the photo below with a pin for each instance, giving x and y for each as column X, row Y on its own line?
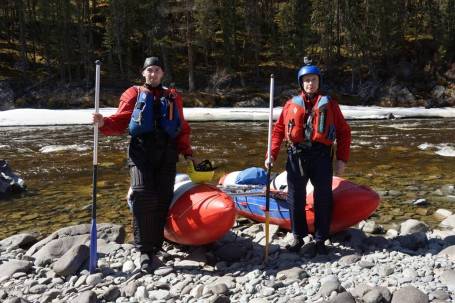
column 411, row 264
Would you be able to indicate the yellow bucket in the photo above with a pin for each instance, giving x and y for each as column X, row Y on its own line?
column 199, row 176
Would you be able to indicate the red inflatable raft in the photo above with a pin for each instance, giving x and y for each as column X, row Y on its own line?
column 352, row 203
column 199, row 214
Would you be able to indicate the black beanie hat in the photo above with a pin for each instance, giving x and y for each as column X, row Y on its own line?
column 152, row 61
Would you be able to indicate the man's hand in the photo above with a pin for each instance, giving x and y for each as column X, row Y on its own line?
column 340, row 166
column 98, row 119
column 268, row 164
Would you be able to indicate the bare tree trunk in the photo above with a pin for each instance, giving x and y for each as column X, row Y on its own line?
column 20, row 12
column 189, row 44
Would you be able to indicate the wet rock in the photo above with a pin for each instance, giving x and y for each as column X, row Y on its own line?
column 413, row 226
column 71, row 261
column 441, row 214
column 420, row 202
column 409, row 294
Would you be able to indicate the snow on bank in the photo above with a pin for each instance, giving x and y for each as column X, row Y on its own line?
column 28, row 116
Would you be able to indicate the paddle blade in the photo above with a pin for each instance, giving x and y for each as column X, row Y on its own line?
column 93, row 256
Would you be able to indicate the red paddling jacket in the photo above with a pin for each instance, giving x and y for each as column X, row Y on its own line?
column 117, row 123
column 318, row 120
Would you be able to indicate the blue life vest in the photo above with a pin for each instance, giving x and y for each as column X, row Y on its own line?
column 145, row 119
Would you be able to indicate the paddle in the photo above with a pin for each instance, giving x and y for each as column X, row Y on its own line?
column 269, row 170
column 93, row 236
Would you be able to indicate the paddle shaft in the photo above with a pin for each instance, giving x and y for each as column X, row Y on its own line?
column 269, row 171
column 93, row 233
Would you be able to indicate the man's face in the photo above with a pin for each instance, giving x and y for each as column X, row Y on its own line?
column 310, row 83
column 153, row 75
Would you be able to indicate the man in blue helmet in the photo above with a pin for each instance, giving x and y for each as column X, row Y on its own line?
column 310, row 124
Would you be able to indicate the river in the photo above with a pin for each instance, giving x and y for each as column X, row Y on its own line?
column 404, row 160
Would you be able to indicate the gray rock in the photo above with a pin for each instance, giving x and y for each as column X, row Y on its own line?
column 220, row 299
column 295, row 273
column 343, row 297
column 94, row 279
column 412, row 226
column 448, row 189
column 85, row 297
column 448, row 279
column 409, row 294
column 16, row 300
column 349, row 259
column 23, row 240
column 50, row 295
column 111, row 294
column 328, row 287
column 71, row 261
column 448, row 252
column 129, row 289
column 440, row 295
column 377, row 294
column 106, row 231
column 360, row 290
column 37, row 289
column 448, row 222
column 11, row 267
column 54, row 249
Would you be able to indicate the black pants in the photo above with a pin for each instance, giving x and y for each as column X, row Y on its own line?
column 314, row 164
column 152, row 171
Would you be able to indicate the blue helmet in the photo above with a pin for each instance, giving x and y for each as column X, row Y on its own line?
column 306, row 70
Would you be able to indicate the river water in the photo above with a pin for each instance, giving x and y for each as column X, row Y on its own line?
column 404, row 160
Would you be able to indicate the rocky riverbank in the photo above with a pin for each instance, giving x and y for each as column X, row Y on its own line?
column 231, row 89
column 412, row 264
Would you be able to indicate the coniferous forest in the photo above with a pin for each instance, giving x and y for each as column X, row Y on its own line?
column 360, row 45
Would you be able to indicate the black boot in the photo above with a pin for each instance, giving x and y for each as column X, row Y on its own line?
column 321, row 249
column 296, row 244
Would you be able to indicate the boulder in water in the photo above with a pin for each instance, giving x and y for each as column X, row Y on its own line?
column 10, row 183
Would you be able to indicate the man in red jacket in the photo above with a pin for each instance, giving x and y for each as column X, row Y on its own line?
column 310, row 123
column 154, row 117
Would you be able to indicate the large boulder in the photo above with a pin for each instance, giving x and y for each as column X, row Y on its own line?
column 58, row 243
